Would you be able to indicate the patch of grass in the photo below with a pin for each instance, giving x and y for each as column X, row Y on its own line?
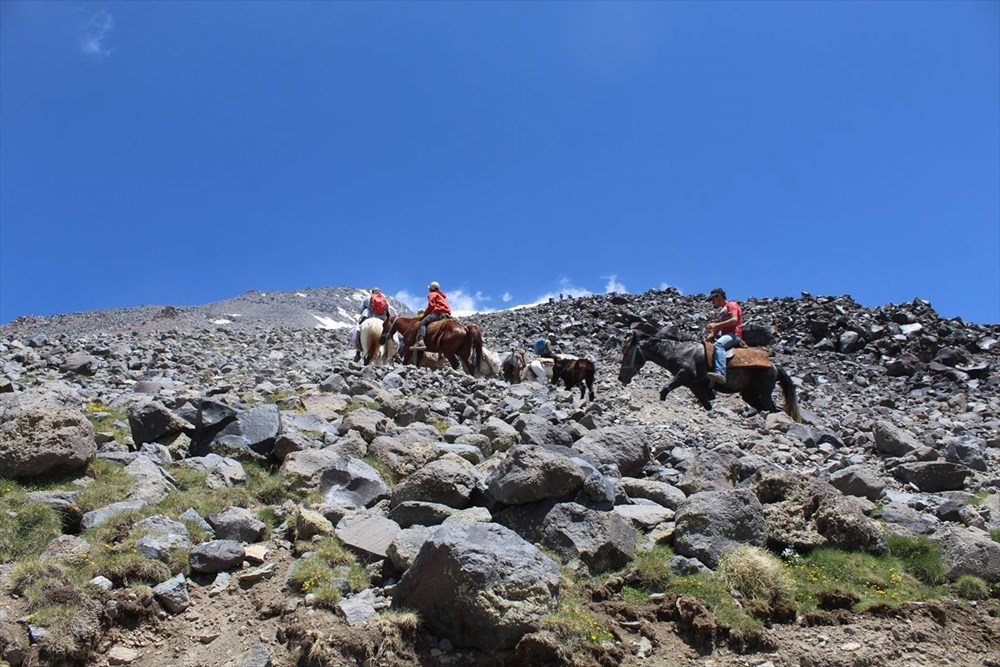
column 193, row 493
column 106, row 419
column 714, row 592
column 573, row 621
column 26, row 526
column 995, row 534
column 330, row 549
column 441, row 424
column 652, row 568
column 978, row 498
column 919, row 556
column 403, row 619
column 971, row 587
column 311, row 573
column 326, row 595
column 125, row 569
column 382, row 469
column 357, row 403
column 265, row 487
column 758, row 576
column 870, row 579
column 109, row 484
column 30, row 579
column 271, row 518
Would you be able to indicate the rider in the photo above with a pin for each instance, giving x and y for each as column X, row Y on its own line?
column 543, row 346
column 376, row 305
column 437, row 309
column 727, row 330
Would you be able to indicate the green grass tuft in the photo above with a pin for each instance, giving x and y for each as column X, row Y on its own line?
column 652, row 568
column 919, row 556
column 971, row 587
column 26, row 527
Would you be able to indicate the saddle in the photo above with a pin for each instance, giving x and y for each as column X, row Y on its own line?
column 740, row 357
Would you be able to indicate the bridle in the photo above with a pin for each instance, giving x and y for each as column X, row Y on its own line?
column 634, row 355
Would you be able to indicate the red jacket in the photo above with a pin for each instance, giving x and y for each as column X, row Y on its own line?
column 437, row 302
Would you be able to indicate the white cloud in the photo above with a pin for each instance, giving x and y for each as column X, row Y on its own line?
column 98, row 31
column 412, row 301
column 614, row 286
column 506, row 297
column 666, row 286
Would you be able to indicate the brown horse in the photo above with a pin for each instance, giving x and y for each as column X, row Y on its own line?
column 456, row 341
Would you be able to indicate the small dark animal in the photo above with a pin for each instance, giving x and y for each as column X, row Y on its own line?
column 512, row 367
column 574, row 372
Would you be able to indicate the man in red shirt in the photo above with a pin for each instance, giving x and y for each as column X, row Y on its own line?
column 437, row 309
column 727, row 330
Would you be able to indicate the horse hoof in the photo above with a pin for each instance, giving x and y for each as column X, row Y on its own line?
column 663, row 395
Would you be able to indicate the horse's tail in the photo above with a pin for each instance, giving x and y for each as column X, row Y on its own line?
column 477, row 348
column 788, row 389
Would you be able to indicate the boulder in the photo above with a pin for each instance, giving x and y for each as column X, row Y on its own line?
column 583, row 538
column 450, row 481
column 38, row 440
column 480, row 586
column 529, row 474
column 710, row 523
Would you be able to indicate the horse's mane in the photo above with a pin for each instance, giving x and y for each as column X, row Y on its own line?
column 667, row 332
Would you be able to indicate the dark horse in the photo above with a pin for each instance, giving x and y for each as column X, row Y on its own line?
column 448, row 337
column 686, row 360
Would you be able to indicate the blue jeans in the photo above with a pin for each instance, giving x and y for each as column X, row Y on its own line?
column 723, row 343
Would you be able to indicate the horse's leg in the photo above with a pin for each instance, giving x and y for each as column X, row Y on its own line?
column 452, row 359
column 683, row 378
column 583, row 390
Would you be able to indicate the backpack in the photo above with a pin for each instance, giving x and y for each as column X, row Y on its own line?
column 378, row 304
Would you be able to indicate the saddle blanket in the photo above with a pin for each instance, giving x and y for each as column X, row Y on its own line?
column 742, row 357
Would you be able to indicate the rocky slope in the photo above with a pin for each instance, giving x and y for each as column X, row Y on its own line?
column 901, row 431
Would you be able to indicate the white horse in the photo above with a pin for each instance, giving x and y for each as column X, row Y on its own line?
column 489, row 364
column 538, row 370
column 371, row 331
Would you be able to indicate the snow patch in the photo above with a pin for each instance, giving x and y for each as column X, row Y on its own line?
column 300, row 294
column 330, row 323
column 222, row 321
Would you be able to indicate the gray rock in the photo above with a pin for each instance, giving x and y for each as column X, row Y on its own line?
column 535, row 430
column 450, row 481
column 501, row 434
column 710, row 523
column 252, row 434
column 216, row 556
column 368, row 533
column 80, row 363
column 622, row 446
column 933, row 476
column 583, row 538
column 161, row 536
column 894, row 441
column 150, row 421
column 515, row 584
column 529, row 474
column 660, row 493
column 173, row 595
column 257, row 656
column 967, row 451
column 968, row 551
column 352, row 482
column 236, row 523
column 100, row 515
column 37, row 440
column 223, row 472
column 858, row 480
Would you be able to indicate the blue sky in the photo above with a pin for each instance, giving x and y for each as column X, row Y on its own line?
column 185, row 152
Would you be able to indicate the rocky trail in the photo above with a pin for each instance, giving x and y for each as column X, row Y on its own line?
column 458, row 494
